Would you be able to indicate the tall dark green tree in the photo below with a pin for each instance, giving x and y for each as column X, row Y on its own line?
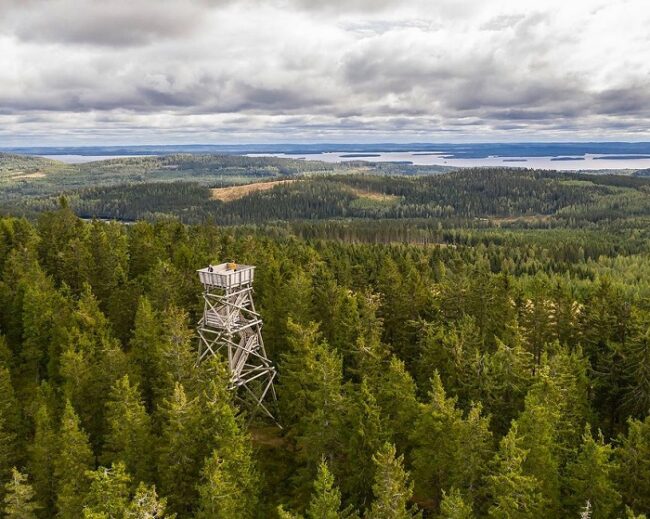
column 74, row 459
column 9, row 425
column 43, row 451
column 128, row 432
column 18, row 501
column 108, row 493
column 449, row 449
column 514, row 494
column 633, row 457
column 391, row 488
column 590, row 477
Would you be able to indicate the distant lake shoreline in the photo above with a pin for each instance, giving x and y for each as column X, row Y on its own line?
column 586, row 162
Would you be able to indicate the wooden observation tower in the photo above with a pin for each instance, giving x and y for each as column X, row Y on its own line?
column 231, row 326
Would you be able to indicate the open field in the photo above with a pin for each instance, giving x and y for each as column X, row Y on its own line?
column 228, row 194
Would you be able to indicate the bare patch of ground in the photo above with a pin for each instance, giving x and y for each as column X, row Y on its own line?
column 228, row 194
column 374, row 195
column 534, row 218
column 38, row 174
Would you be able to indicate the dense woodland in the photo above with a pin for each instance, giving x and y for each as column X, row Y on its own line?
column 500, row 373
column 458, row 199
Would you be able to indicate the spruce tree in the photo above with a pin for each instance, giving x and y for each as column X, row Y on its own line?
column 538, row 426
column 395, row 392
column 74, row 459
column 590, row 477
column 325, row 502
column 229, row 480
column 361, row 436
column 449, row 449
column 18, row 501
column 9, row 424
column 453, row 506
column 128, row 433
column 228, row 485
column 145, row 504
column 144, row 355
column 514, row 494
column 43, row 452
column 108, row 494
column 508, row 376
column 90, row 364
column 391, row 488
column 633, row 457
column 179, row 451
column 637, row 365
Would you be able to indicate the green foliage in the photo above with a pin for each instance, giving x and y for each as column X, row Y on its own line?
column 391, row 488
column 451, row 450
column 453, row 506
column 437, row 346
column 74, row 459
column 18, row 502
column 108, row 494
column 591, row 477
column 633, row 458
column 9, row 424
column 146, row 505
column 514, row 494
column 128, row 437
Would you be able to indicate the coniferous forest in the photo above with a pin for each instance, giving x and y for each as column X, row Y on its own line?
column 427, row 368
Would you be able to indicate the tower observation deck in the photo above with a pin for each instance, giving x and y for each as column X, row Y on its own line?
column 231, row 326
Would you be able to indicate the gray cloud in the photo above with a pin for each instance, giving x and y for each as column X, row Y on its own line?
column 287, row 69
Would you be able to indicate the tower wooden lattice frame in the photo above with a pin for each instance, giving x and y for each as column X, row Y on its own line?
column 231, row 323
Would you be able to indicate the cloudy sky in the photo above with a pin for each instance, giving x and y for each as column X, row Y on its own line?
column 224, row 71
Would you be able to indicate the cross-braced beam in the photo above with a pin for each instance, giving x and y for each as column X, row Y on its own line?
column 231, row 325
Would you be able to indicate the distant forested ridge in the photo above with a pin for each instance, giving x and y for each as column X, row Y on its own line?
column 489, row 372
column 498, row 195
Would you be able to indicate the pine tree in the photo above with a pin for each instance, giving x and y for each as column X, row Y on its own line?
column 74, row 459
column 453, row 506
column 591, row 477
column 391, row 488
column 18, row 499
column 128, row 437
column 108, row 494
column 515, row 495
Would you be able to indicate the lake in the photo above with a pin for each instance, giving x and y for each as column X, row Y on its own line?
column 566, row 163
